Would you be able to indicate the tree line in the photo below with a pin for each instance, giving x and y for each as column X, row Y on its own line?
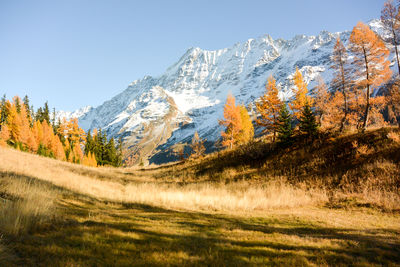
column 38, row 132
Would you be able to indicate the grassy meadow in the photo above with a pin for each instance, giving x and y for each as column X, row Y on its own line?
column 335, row 202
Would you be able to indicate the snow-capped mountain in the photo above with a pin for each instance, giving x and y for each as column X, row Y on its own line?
column 154, row 113
column 60, row 115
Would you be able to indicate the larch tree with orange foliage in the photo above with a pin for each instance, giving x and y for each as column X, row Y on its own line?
column 232, row 121
column 73, row 137
column 89, row 160
column 4, row 135
column 300, row 97
column 341, row 80
column 77, row 134
column 394, row 102
column 390, row 18
column 13, row 122
column 64, row 143
column 371, row 67
column 26, row 134
column 246, row 133
column 268, row 108
column 322, row 102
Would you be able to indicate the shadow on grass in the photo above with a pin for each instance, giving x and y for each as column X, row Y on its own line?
column 133, row 234
column 155, row 236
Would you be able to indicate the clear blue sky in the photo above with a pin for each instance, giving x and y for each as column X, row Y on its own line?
column 79, row 52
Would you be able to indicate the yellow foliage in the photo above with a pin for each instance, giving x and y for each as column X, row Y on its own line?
column 300, row 94
column 268, row 107
column 89, row 160
column 18, row 129
column 371, row 64
column 232, row 121
column 4, row 135
column 246, row 133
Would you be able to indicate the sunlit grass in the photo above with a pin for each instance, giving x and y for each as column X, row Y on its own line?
column 242, row 196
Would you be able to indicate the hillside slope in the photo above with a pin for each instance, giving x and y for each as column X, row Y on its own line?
column 336, row 204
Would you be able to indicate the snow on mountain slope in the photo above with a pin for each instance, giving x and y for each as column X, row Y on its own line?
column 60, row 115
column 156, row 112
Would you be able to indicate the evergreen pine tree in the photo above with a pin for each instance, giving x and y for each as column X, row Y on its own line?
column 46, row 112
column 53, row 120
column 27, row 108
column 308, row 123
column 285, row 129
column 110, row 152
column 89, row 144
column 3, row 110
column 99, row 149
column 17, row 104
column 39, row 115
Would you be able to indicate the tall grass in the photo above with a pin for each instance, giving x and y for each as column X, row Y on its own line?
column 241, row 196
column 31, row 206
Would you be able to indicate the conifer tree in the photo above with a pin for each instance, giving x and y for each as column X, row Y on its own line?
column 246, row 132
column 17, row 103
column 46, row 112
column 268, row 107
column 43, row 114
column 4, row 135
column 322, row 101
column 308, row 124
column 13, row 122
column 39, row 114
column 26, row 134
column 197, row 146
column 77, row 155
column 390, row 18
column 394, row 101
column 232, row 121
column 89, row 144
column 89, row 160
column 53, row 121
column 3, row 110
column 47, row 137
column 110, row 153
column 300, row 94
column 341, row 80
column 75, row 133
column 285, row 129
column 371, row 64
column 57, row 148
column 28, row 109
column 100, row 141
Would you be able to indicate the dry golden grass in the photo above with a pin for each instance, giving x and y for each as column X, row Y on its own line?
column 242, row 196
column 31, row 205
